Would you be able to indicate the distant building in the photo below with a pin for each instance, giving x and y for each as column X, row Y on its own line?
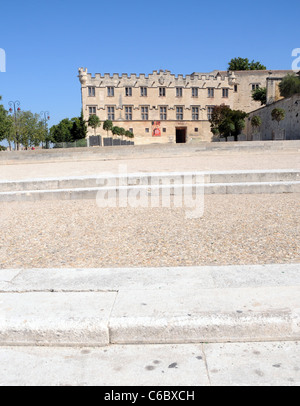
column 164, row 108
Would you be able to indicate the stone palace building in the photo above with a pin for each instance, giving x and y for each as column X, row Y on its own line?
column 165, row 108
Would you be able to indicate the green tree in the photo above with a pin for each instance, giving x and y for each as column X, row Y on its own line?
column 260, row 95
column 226, row 122
column 68, row 130
column 278, row 115
column 116, row 130
column 31, row 129
column 61, row 132
column 122, row 132
column 129, row 134
column 256, row 122
column 6, row 125
column 79, row 128
column 289, row 86
column 244, row 64
column 107, row 126
column 94, row 122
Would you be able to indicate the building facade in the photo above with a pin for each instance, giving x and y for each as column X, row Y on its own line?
column 164, row 108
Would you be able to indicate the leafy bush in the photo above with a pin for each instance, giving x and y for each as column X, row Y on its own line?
column 256, row 121
column 289, row 86
column 226, row 122
column 278, row 115
column 260, row 95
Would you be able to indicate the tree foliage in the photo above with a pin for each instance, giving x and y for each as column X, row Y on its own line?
column 94, row 122
column 31, row 130
column 107, row 125
column 69, row 130
column 61, row 132
column 256, row 122
column 129, row 134
column 260, row 95
column 6, row 124
column 116, row 130
column 121, row 131
column 289, row 86
column 79, row 128
column 244, row 64
column 226, row 122
column 278, row 115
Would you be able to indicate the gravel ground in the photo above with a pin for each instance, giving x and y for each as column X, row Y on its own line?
column 235, row 229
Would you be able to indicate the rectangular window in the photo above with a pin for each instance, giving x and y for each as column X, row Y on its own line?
column 211, row 92
column 145, row 113
column 163, row 113
column 143, row 92
column 194, row 91
column 210, row 110
column 147, row 130
column 92, row 91
column 110, row 91
column 128, row 113
column 111, row 113
column 196, row 130
column 92, row 111
column 225, row 93
column 128, row 91
column 179, row 113
column 178, row 91
column 195, row 113
column 235, row 88
column 162, row 91
column 164, row 130
column 255, row 86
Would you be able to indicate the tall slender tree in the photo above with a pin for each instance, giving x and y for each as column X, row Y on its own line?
column 94, row 122
column 107, row 126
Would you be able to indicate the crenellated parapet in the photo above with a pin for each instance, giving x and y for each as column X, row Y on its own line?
column 161, row 78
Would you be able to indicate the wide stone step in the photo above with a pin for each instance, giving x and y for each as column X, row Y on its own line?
column 134, row 193
column 149, row 179
column 98, row 307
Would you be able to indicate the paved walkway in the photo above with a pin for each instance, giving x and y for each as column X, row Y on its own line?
column 247, row 364
column 188, row 161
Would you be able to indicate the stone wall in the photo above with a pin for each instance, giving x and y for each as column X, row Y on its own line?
column 288, row 129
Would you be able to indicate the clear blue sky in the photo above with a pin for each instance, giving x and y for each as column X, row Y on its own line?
column 47, row 41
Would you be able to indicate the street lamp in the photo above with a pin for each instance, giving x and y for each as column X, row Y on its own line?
column 14, row 110
column 45, row 116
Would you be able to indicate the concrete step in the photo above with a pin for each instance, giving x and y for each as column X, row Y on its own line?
column 102, row 193
column 164, row 178
column 154, row 184
column 99, row 307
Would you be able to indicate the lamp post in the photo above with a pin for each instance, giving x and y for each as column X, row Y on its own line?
column 14, row 110
column 45, row 116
